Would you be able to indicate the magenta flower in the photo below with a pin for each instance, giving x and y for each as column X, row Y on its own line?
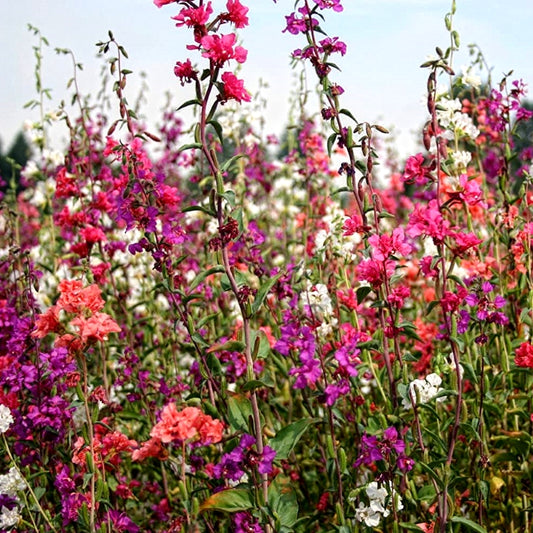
column 191, row 17
column 185, row 71
column 237, row 13
column 415, row 172
column 220, row 48
column 233, row 88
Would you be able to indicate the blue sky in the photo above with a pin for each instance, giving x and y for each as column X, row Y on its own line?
column 387, row 41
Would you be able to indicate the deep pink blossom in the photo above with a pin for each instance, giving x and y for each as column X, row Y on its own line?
column 219, row 48
column 384, row 246
column 185, row 71
column 191, row 17
column 234, row 88
column 428, row 220
column 415, row 172
column 237, row 13
column 524, row 355
column 330, row 4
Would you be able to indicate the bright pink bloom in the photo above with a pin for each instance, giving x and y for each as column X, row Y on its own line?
column 415, row 172
column 524, row 355
column 375, row 271
column 220, row 48
column 185, row 72
column 464, row 241
column 92, row 234
column 237, row 13
column 428, row 221
column 384, row 246
column 472, row 193
column 330, row 4
column 161, row 3
column 194, row 16
column 234, row 88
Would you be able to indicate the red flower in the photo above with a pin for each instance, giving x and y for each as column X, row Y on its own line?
column 524, row 355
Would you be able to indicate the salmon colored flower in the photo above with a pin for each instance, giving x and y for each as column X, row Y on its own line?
column 189, row 424
column 96, row 327
column 74, row 297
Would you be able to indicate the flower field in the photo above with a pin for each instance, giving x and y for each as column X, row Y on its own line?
column 204, row 328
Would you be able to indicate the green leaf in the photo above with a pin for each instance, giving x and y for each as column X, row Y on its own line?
column 227, row 164
column 188, row 103
column 254, row 384
column 229, row 501
column 190, row 146
column 263, row 292
column 239, row 411
column 283, row 502
column 348, row 114
column 409, row 527
column 198, row 208
column 469, row 524
column 287, row 438
column 229, row 346
column 202, row 275
column 229, row 196
column 218, row 128
column 331, row 142
column 362, row 293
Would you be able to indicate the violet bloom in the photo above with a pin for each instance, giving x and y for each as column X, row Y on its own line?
column 370, row 451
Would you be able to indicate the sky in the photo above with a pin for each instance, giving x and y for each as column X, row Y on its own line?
column 387, row 42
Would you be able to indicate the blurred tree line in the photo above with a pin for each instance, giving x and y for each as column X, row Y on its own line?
column 12, row 161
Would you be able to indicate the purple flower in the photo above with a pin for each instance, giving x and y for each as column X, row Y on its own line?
column 265, row 464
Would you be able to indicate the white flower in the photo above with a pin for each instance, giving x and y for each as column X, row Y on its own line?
column 9, row 518
column 11, row 483
column 367, row 515
column 318, row 299
column 6, row 418
column 461, row 159
column 423, row 390
column 471, row 79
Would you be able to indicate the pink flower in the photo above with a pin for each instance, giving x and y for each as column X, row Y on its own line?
column 46, row 322
column 237, row 13
column 383, row 246
column 524, row 355
column 191, row 17
column 74, row 298
column 234, row 89
column 96, row 327
column 428, row 220
column 161, row 3
column 220, row 48
column 472, row 193
column 415, row 172
column 184, row 71
column 375, row 271
column 188, row 424
column 464, row 241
